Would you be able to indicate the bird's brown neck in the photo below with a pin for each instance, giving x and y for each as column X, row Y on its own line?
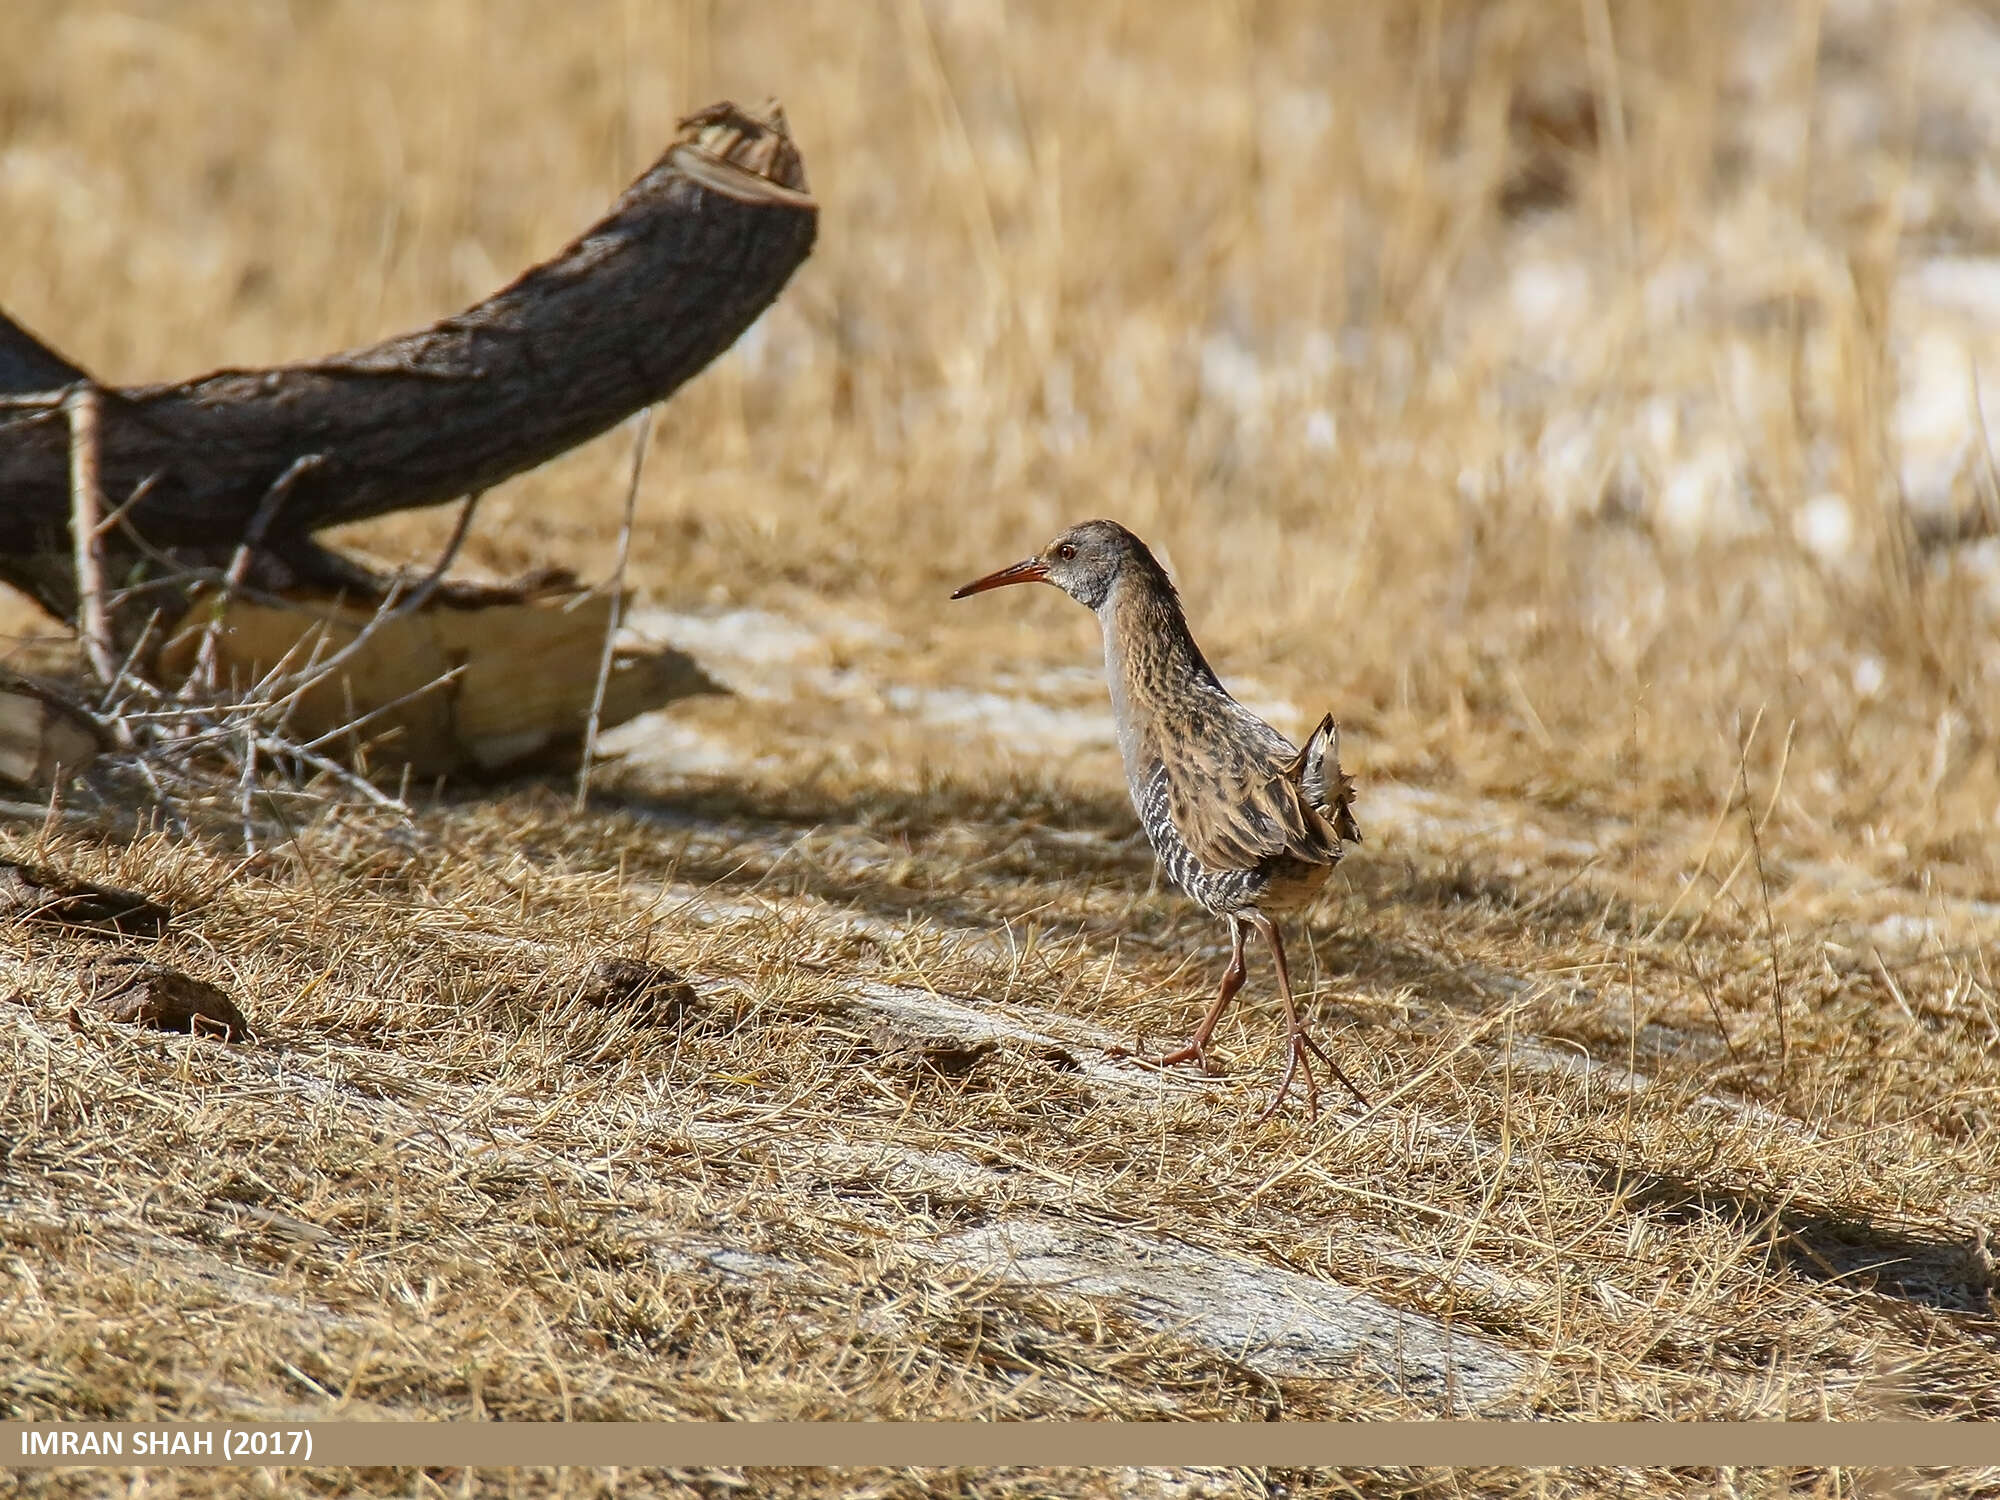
column 1156, row 672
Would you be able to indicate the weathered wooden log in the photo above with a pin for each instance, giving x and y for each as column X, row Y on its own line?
column 687, row 258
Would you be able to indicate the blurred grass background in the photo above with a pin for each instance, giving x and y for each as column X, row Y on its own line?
column 1547, row 386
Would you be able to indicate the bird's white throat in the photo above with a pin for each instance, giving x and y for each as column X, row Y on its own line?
column 1124, row 713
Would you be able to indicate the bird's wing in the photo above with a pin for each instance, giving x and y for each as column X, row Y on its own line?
column 1237, row 801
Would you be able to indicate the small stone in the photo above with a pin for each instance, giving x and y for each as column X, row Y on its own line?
column 149, row 994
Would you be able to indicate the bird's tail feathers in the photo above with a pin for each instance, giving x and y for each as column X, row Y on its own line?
column 1326, row 786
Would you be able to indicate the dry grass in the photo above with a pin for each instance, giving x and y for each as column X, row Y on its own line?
column 1666, row 959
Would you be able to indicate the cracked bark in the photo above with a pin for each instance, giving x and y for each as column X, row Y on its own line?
column 639, row 303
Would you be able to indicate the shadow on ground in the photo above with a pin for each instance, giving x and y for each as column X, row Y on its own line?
column 1921, row 1266
column 1088, row 839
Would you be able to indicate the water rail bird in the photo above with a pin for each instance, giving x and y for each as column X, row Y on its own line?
column 1245, row 822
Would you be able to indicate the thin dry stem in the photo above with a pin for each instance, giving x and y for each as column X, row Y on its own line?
column 641, row 433
column 202, row 678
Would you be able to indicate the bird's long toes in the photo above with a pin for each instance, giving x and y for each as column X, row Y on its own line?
column 1187, row 1054
column 1312, row 1083
column 1334, row 1068
column 1285, row 1085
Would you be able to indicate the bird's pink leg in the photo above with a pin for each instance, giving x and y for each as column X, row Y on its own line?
column 1298, row 1042
column 1196, row 1051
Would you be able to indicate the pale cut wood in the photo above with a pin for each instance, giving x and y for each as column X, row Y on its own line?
column 43, row 738
column 445, row 689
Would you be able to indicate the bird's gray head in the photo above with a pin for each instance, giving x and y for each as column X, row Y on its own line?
column 1086, row 562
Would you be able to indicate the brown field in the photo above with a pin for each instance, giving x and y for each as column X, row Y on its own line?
column 1576, row 399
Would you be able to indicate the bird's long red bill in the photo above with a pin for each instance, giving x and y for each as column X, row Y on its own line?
column 1034, row 570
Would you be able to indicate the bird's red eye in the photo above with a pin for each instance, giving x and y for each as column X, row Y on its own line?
column 1066, row 552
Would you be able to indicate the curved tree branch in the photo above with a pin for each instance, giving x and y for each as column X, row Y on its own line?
column 687, row 258
column 28, row 365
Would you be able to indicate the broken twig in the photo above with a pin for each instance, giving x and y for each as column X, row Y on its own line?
column 86, row 502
